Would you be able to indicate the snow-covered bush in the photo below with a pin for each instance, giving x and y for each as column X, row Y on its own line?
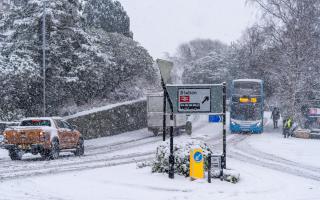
column 181, row 156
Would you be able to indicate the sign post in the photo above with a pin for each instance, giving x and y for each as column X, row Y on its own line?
column 165, row 71
column 196, row 98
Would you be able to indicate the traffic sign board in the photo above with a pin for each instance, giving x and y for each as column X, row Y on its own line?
column 196, row 98
column 215, row 118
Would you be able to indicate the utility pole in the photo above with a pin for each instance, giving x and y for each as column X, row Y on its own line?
column 44, row 56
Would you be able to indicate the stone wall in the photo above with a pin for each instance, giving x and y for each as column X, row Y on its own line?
column 119, row 119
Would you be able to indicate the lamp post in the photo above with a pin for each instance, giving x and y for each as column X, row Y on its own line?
column 164, row 119
column 165, row 71
column 224, row 148
column 44, row 56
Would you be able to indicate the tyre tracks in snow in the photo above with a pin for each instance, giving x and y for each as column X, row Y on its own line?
column 244, row 152
column 96, row 156
column 76, row 166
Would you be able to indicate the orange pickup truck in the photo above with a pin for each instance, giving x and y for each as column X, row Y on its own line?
column 46, row 135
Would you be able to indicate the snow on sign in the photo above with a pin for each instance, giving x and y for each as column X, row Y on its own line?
column 194, row 100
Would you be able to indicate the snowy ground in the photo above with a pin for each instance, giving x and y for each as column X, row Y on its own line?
column 271, row 167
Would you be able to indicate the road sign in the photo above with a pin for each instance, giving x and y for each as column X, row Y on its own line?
column 194, row 100
column 198, row 157
column 215, row 118
column 196, row 164
column 197, row 98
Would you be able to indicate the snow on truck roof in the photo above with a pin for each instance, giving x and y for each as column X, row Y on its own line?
column 248, row 80
column 41, row 118
column 191, row 85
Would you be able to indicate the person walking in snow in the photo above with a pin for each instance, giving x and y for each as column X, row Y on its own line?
column 287, row 126
column 275, row 115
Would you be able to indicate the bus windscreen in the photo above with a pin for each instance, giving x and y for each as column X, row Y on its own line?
column 247, row 112
column 247, row 88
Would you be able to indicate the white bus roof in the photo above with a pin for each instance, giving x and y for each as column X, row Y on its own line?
column 248, row 80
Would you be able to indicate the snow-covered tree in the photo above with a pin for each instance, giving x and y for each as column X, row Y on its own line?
column 203, row 61
column 291, row 48
column 108, row 15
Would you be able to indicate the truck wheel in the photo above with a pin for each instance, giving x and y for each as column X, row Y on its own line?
column 189, row 128
column 55, row 150
column 44, row 154
column 155, row 132
column 15, row 154
column 80, row 148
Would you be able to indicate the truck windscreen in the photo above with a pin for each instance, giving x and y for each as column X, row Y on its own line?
column 35, row 123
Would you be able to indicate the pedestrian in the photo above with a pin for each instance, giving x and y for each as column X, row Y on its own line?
column 275, row 116
column 287, row 126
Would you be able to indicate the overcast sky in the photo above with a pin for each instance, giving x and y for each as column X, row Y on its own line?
column 161, row 25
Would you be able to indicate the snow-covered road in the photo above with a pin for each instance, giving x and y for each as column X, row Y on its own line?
column 292, row 155
column 121, row 149
column 271, row 167
column 102, row 152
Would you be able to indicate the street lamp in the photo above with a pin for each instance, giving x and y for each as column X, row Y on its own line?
column 165, row 71
column 44, row 56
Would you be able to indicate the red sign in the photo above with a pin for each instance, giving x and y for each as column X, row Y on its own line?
column 314, row 111
column 184, row 99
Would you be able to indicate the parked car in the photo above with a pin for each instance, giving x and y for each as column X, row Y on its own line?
column 181, row 122
column 46, row 135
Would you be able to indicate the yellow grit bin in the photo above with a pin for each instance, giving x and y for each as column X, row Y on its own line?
column 196, row 164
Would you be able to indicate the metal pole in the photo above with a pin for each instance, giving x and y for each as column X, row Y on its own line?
column 164, row 125
column 209, row 168
column 224, row 90
column 171, row 157
column 44, row 56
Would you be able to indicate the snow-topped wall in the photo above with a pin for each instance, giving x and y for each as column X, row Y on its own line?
column 111, row 120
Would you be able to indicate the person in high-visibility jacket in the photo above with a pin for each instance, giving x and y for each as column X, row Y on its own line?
column 287, row 126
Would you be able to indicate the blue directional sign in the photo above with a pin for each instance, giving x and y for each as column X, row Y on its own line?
column 215, row 118
column 198, row 157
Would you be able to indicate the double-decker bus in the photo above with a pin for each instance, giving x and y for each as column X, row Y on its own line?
column 246, row 106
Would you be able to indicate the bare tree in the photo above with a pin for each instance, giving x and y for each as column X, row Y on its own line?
column 292, row 33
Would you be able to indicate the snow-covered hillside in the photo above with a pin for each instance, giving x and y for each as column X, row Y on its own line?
column 90, row 57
